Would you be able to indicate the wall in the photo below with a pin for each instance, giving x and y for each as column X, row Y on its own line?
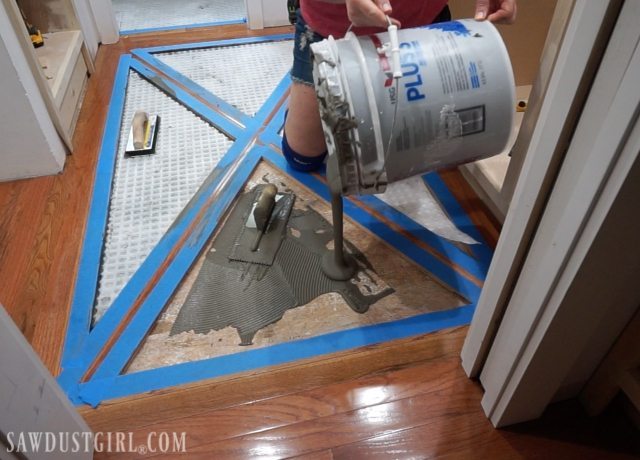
column 30, row 145
column 32, row 401
column 49, row 15
column 524, row 39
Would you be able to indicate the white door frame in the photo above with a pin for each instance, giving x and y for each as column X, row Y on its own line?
column 88, row 25
column 32, row 401
column 563, row 98
column 105, row 20
column 98, row 23
column 266, row 13
column 548, row 323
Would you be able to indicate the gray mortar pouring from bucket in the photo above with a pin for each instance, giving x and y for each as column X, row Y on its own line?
column 454, row 104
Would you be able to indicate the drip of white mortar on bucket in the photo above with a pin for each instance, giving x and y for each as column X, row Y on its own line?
column 456, row 105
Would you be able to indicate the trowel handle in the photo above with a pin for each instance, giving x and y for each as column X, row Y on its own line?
column 264, row 206
column 139, row 126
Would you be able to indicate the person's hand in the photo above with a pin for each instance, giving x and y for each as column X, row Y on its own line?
column 370, row 13
column 498, row 11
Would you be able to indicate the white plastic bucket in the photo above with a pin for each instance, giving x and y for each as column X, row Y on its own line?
column 455, row 102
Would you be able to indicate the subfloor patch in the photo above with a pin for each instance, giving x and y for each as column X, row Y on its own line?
column 249, row 297
column 242, row 75
column 151, row 14
column 415, row 293
column 150, row 191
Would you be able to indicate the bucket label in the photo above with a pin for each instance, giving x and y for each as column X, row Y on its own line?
column 455, row 27
column 412, row 59
column 453, row 104
column 456, row 73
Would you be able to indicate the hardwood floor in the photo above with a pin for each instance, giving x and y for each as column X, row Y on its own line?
column 402, row 400
column 406, row 399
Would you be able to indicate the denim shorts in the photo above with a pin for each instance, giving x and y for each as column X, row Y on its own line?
column 302, row 70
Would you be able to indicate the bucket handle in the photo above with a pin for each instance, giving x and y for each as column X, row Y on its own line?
column 391, row 49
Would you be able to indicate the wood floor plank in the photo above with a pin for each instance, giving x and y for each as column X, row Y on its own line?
column 475, row 208
column 198, row 35
column 453, row 397
column 320, row 402
column 253, row 418
column 144, row 410
column 456, row 436
column 47, row 235
column 319, row 455
column 18, row 223
column 563, row 434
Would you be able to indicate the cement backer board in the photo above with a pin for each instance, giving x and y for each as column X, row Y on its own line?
column 415, row 293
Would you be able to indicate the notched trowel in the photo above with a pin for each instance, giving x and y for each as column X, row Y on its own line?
column 143, row 134
column 265, row 225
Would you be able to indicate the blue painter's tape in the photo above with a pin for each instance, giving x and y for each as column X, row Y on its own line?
column 137, row 329
column 185, row 27
column 440, row 270
column 106, row 385
column 110, row 321
column 257, row 124
column 192, row 86
column 218, row 43
column 272, row 131
column 114, row 315
column 459, row 217
column 269, row 137
column 273, row 99
column 439, row 244
column 88, row 269
column 476, row 266
column 96, row 391
column 216, row 119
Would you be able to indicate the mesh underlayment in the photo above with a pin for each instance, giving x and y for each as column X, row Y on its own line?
column 146, row 14
column 242, row 75
column 149, row 191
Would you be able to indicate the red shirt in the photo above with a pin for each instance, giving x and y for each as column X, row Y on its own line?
column 331, row 18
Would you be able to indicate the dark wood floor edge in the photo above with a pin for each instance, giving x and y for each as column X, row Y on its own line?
column 198, row 35
column 166, row 34
column 105, row 83
column 266, row 383
column 475, row 208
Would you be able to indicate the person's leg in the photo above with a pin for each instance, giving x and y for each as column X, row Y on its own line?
column 303, row 142
column 303, row 126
